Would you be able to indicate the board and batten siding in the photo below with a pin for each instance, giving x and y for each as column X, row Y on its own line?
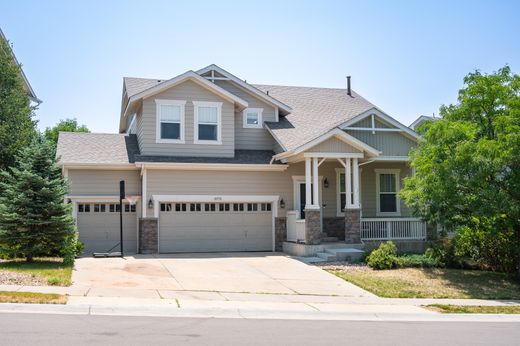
column 188, row 91
column 333, row 145
column 389, row 143
column 90, row 182
column 367, row 122
column 246, row 138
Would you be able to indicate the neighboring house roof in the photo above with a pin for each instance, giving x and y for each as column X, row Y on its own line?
column 421, row 120
column 315, row 111
column 77, row 148
column 241, row 157
column 27, row 86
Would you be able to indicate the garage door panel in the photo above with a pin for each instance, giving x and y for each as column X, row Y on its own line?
column 99, row 231
column 213, row 231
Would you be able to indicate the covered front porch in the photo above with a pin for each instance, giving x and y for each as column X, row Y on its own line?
column 352, row 198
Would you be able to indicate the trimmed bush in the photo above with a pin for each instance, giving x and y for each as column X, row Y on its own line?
column 417, row 261
column 384, row 257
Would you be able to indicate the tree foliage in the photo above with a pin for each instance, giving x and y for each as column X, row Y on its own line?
column 34, row 220
column 17, row 128
column 468, row 162
column 67, row 125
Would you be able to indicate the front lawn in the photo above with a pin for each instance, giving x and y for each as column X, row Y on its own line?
column 474, row 309
column 32, row 298
column 432, row 283
column 51, row 270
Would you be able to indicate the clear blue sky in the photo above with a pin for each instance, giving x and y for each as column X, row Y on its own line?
column 407, row 57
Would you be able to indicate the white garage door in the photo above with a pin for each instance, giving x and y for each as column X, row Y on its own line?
column 214, row 227
column 98, row 227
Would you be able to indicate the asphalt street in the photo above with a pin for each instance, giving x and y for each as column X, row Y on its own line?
column 58, row 329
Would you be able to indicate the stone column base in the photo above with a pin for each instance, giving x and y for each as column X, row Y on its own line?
column 352, row 226
column 280, row 232
column 312, row 226
column 148, row 235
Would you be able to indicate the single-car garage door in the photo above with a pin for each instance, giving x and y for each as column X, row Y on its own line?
column 98, row 227
column 214, row 227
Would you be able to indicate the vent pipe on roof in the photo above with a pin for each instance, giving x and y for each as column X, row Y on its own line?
column 349, row 91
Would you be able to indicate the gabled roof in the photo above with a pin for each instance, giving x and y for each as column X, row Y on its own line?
column 421, row 120
column 249, row 87
column 137, row 87
column 77, row 148
column 27, row 86
column 315, row 111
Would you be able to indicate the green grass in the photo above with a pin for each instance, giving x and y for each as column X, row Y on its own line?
column 474, row 309
column 434, row 283
column 32, row 298
column 51, row 269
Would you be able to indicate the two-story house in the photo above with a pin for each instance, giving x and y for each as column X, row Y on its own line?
column 217, row 164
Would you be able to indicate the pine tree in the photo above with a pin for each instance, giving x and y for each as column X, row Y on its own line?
column 34, row 219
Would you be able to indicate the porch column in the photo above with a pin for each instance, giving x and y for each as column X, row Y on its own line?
column 144, row 200
column 355, row 178
column 348, row 184
column 315, row 184
column 308, row 199
column 352, row 207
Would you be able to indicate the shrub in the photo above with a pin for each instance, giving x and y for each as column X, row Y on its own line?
column 417, row 261
column 71, row 249
column 384, row 257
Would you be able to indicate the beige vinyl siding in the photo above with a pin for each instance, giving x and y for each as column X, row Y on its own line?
column 139, row 126
column 333, row 145
column 389, row 143
column 252, row 139
column 103, row 182
column 215, row 183
column 369, row 191
column 188, row 91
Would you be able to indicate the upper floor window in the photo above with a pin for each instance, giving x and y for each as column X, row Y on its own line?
column 387, row 187
column 170, row 121
column 252, row 118
column 207, row 122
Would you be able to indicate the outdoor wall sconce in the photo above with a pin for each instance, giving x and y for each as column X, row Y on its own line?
column 150, row 204
column 282, row 203
column 326, row 183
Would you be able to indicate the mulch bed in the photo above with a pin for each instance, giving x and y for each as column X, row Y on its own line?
column 13, row 278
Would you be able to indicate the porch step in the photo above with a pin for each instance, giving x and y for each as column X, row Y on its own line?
column 346, row 254
column 311, row 260
column 327, row 256
column 328, row 239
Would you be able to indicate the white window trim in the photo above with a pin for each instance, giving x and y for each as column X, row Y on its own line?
column 340, row 171
column 397, row 188
column 159, row 103
column 259, row 112
column 131, row 127
column 196, row 105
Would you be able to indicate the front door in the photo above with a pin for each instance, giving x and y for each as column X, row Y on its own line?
column 302, row 199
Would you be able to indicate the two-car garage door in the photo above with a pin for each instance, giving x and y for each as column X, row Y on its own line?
column 213, row 227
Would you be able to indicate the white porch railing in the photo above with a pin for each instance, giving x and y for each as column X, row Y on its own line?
column 392, row 228
column 295, row 227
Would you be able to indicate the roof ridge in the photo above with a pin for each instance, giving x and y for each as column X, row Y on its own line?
column 302, row 87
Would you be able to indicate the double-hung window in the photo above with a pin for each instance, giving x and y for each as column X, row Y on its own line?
column 387, row 186
column 170, row 121
column 208, row 122
column 252, row 118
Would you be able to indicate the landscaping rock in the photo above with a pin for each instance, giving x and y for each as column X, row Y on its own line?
column 341, row 266
column 14, row 278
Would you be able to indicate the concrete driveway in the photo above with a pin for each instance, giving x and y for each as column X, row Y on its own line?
column 224, row 272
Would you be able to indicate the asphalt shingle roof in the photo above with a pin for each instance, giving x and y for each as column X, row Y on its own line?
column 315, row 112
column 241, row 157
column 96, row 148
column 136, row 85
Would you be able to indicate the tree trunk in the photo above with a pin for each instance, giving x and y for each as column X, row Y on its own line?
column 29, row 258
column 517, row 229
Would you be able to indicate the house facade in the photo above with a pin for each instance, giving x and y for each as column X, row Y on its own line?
column 212, row 163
